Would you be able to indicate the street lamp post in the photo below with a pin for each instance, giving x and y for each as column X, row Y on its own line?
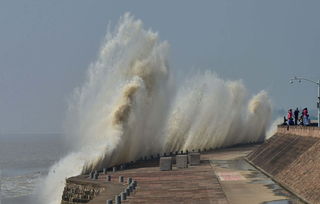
column 299, row 79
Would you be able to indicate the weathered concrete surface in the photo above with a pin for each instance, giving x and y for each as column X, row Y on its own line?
column 300, row 130
column 182, row 161
column 242, row 183
column 194, row 158
column 165, row 163
column 292, row 157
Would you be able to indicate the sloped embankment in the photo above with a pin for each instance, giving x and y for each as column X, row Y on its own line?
column 292, row 158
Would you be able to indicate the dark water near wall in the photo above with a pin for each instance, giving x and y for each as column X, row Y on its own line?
column 24, row 161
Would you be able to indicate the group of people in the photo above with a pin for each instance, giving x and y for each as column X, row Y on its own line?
column 294, row 119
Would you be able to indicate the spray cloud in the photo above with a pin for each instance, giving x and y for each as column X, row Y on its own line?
column 131, row 106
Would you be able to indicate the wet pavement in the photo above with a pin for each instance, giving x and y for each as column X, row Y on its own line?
column 243, row 183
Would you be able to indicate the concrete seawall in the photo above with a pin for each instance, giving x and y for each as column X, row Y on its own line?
column 292, row 158
column 222, row 177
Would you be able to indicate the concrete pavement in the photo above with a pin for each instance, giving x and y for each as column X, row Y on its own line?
column 242, row 183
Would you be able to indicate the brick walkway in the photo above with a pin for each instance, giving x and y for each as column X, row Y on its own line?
column 197, row 184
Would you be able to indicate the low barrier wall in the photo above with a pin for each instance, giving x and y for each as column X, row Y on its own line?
column 299, row 130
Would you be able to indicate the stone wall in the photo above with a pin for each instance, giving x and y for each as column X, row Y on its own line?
column 292, row 158
column 77, row 191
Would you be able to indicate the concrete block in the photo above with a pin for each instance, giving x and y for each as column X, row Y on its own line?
column 194, row 158
column 127, row 191
column 117, row 199
column 129, row 180
column 165, row 163
column 95, row 176
column 91, row 175
column 123, row 196
column 133, row 186
column 109, row 202
column 173, row 157
column 182, row 161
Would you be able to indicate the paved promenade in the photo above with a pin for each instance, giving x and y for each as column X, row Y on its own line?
column 196, row 184
column 222, row 177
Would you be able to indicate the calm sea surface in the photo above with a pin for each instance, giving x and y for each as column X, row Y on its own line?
column 24, row 161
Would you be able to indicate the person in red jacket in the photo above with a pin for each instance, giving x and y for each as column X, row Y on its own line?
column 290, row 117
column 305, row 115
column 305, row 112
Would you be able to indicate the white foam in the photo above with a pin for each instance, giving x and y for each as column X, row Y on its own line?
column 17, row 186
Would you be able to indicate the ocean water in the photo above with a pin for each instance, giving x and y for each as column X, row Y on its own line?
column 24, row 162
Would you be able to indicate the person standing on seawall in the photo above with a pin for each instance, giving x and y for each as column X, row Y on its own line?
column 290, row 117
column 305, row 114
column 296, row 116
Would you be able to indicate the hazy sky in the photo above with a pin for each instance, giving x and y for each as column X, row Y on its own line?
column 46, row 47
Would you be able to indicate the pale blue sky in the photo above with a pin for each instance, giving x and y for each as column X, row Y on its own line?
column 46, row 47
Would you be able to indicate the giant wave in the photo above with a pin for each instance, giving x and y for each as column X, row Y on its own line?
column 132, row 105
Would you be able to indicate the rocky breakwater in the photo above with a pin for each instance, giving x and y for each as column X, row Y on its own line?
column 292, row 158
column 81, row 190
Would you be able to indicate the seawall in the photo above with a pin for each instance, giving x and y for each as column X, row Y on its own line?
column 292, row 158
column 78, row 191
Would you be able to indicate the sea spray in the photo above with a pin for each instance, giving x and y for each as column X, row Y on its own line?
column 209, row 113
column 121, row 106
column 131, row 106
column 273, row 127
